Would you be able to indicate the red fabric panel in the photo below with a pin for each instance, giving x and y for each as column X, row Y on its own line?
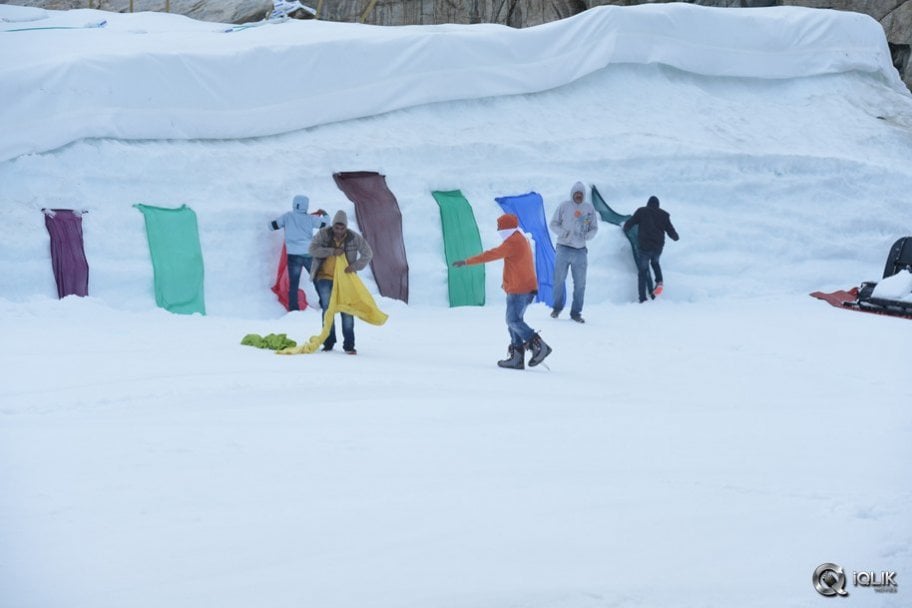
column 282, row 283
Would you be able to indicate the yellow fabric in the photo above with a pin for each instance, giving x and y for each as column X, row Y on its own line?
column 327, row 269
column 349, row 295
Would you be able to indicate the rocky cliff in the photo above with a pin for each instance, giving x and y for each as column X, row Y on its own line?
column 221, row 11
column 894, row 15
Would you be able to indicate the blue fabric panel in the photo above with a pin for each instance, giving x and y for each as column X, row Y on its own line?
column 530, row 209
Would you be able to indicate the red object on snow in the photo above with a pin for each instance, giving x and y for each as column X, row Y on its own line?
column 282, row 283
column 837, row 298
column 847, row 300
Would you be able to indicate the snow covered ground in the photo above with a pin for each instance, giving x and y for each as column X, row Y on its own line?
column 708, row 449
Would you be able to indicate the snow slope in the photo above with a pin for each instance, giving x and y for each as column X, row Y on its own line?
column 709, row 449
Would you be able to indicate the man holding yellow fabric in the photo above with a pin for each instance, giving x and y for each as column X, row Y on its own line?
column 333, row 245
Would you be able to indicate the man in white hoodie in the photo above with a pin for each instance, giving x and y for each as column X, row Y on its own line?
column 299, row 226
column 574, row 223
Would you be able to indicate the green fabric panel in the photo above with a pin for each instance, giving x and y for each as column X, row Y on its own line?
column 613, row 217
column 608, row 214
column 177, row 258
column 460, row 241
column 633, row 237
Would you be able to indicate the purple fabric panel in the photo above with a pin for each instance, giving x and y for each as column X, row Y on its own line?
column 380, row 222
column 71, row 269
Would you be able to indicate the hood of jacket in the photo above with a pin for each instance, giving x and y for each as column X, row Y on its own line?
column 578, row 187
column 300, row 203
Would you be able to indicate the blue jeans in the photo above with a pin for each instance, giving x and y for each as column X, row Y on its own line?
column 644, row 281
column 577, row 261
column 324, row 290
column 295, row 263
column 520, row 333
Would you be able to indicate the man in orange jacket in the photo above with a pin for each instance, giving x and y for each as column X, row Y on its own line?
column 520, row 284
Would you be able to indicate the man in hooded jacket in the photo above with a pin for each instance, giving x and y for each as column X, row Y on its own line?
column 521, row 286
column 654, row 224
column 299, row 226
column 575, row 223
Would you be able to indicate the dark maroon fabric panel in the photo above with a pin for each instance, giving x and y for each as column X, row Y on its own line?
column 71, row 269
column 380, row 222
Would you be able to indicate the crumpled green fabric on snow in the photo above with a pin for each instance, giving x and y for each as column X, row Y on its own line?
column 271, row 341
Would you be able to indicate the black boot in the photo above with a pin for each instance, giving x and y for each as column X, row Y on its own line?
column 516, row 359
column 540, row 350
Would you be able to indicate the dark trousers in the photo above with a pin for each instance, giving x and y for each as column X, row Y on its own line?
column 646, row 258
column 295, row 264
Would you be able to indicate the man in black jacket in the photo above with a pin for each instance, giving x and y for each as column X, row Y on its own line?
column 653, row 224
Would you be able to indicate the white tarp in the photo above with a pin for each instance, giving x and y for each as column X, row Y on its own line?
column 896, row 287
column 61, row 85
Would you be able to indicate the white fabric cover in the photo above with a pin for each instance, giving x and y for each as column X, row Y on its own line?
column 896, row 287
column 21, row 14
column 58, row 86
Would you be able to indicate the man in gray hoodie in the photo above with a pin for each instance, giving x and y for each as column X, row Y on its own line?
column 299, row 226
column 574, row 223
